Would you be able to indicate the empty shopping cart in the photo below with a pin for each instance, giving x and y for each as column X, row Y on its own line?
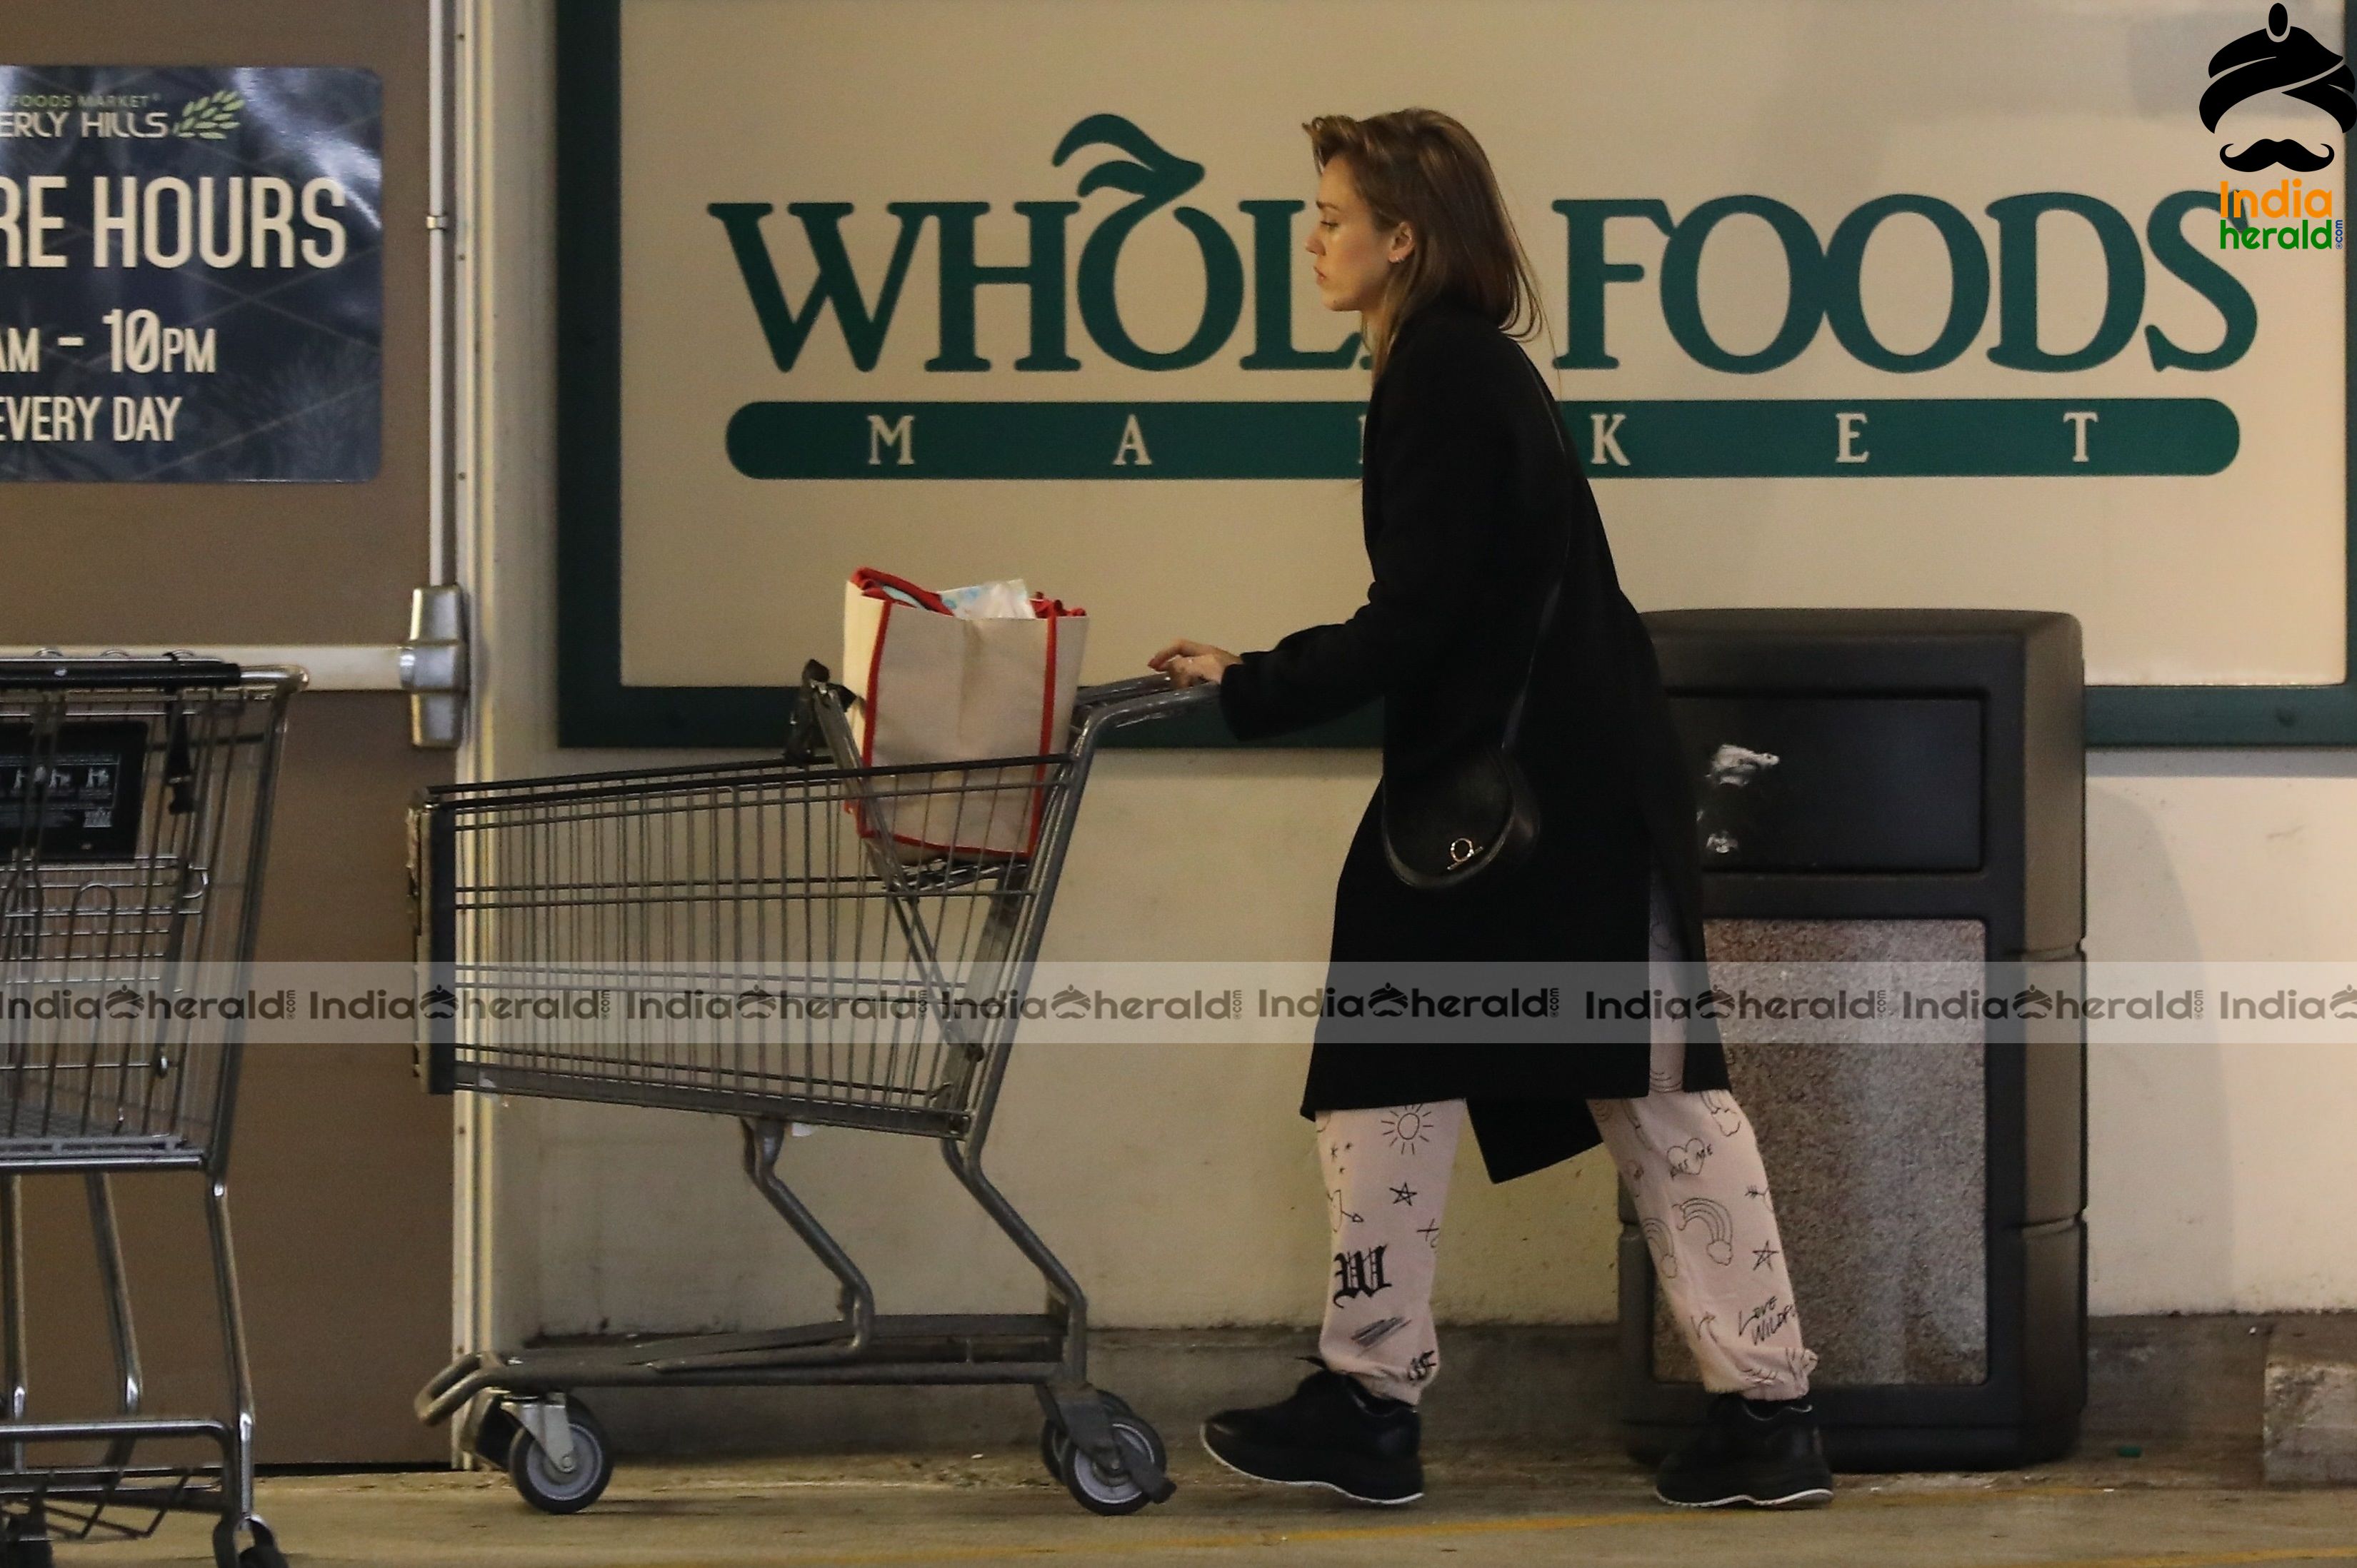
column 134, row 802
column 853, row 941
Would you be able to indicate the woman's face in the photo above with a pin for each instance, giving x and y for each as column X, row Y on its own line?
column 1353, row 254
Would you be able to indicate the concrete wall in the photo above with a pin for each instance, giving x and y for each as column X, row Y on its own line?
column 1179, row 1183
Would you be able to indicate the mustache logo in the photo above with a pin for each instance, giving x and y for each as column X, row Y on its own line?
column 2280, row 58
column 2268, row 151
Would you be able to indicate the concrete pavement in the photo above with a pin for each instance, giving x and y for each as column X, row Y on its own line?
column 2172, row 1510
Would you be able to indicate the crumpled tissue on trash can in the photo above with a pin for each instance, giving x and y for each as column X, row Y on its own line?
column 1009, row 598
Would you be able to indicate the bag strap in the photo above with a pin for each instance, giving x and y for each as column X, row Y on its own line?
column 1554, row 589
column 884, row 585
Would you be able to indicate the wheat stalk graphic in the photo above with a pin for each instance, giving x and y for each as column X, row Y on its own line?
column 211, row 117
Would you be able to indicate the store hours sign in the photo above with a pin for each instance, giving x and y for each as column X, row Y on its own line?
column 191, row 278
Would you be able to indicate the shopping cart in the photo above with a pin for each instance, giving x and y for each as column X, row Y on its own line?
column 134, row 800
column 868, row 944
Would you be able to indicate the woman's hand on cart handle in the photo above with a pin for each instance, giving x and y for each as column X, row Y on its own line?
column 1191, row 664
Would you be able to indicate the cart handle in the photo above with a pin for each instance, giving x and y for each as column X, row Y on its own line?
column 1117, row 704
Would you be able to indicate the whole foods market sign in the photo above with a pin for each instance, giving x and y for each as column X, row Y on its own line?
column 1992, row 303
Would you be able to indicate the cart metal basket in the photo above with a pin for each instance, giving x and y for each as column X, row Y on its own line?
column 865, row 961
column 135, row 804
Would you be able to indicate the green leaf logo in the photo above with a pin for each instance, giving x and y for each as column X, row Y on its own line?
column 211, row 117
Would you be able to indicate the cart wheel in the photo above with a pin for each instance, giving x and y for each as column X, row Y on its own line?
column 552, row 1490
column 495, row 1434
column 1054, row 1442
column 1116, row 1494
column 1119, row 1409
column 263, row 1553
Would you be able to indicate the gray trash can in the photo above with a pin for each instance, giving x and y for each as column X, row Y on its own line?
column 1908, row 787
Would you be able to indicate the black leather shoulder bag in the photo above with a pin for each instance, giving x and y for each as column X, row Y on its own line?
column 1447, row 824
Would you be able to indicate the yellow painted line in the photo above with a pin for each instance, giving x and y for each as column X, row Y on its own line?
column 1537, row 1524
column 1264, row 1538
column 1856, row 1499
column 1473, row 1526
column 1532, row 1524
column 1141, row 1546
column 1850, row 1501
column 2210, row 1559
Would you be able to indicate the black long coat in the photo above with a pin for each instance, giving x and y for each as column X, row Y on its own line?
column 1465, row 497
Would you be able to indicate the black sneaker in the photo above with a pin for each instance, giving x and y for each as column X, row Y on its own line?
column 1766, row 1453
column 1333, row 1433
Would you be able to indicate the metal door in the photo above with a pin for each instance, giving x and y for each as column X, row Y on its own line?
column 343, row 1170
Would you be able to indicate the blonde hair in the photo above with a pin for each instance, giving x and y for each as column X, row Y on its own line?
column 1424, row 168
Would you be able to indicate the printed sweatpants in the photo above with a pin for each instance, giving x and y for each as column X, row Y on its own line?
column 1692, row 1166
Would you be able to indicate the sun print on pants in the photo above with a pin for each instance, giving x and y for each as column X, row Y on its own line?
column 1407, row 1128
